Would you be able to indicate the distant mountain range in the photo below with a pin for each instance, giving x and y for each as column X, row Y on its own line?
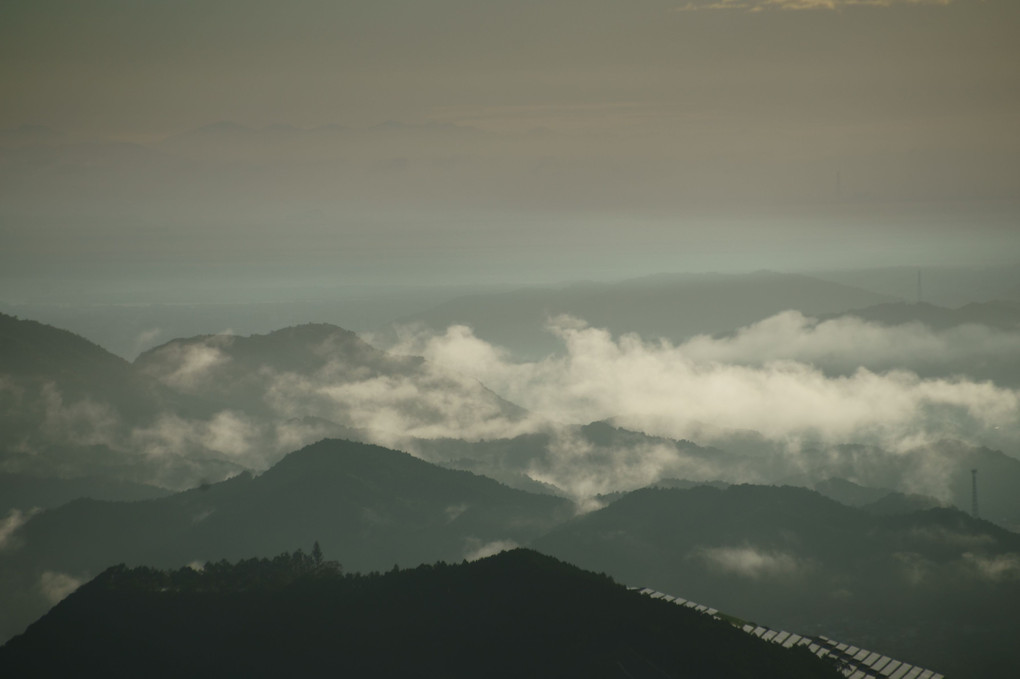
column 211, row 406
column 513, row 615
column 1000, row 314
column 205, row 408
column 674, row 307
column 935, row 586
column 524, row 461
column 931, row 587
column 947, row 286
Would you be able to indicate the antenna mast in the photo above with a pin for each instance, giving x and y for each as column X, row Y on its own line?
column 973, row 493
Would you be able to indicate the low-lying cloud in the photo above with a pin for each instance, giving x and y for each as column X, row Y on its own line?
column 9, row 525
column 477, row 550
column 55, row 586
column 763, row 379
column 794, row 387
column 996, row 568
column 750, row 562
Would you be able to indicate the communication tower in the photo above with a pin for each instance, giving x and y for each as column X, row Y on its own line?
column 973, row 493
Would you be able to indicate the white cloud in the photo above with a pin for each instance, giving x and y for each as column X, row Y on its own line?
column 9, row 525
column 85, row 422
column 478, row 550
column 998, row 567
column 763, row 380
column 751, row 562
column 847, row 342
column 55, row 586
column 584, row 471
column 231, row 434
column 693, row 390
column 186, row 366
column 425, row 402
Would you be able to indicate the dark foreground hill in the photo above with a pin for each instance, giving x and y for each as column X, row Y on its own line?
column 373, row 506
column 517, row 614
column 937, row 588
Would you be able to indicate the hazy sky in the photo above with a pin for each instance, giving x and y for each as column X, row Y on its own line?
column 536, row 140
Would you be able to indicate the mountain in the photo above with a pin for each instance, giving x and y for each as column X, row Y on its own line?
column 935, row 587
column 206, row 408
column 517, row 614
column 326, row 372
column 63, row 401
column 31, row 351
column 949, row 286
column 674, row 307
column 944, row 466
column 575, row 460
column 27, row 492
column 370, row 506
column 979, row 340
column 1003, row 315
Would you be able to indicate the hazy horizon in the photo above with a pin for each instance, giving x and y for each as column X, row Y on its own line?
column 228, row 150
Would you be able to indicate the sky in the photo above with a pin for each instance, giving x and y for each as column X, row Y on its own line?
column 455, row 142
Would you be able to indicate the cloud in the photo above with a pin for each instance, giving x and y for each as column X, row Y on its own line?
column 759, row 395
column 996, row 568
column 751, row 562
column 9, row 525
column 797, row 386
column 694, row 391
column 186, row 366
column 477, row 550
column 55, row 586
column 583, row 470
column 229, row 433
column 914, row 568
column 423, row 402
column 85, row 421
column 763, row 5
column 941, row 536
column 846, row 342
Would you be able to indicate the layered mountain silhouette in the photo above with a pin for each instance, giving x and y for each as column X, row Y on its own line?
column 229, row 371
column 212, row 406
column 560, row 458
column 979, row 341
column 370, row 506
column 28, row 492
column 513, row 615
column 1004, row 315
column 935, row 586
column 65, row 401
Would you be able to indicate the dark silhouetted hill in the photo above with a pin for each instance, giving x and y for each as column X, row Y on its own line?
column 371, row 506
column 517, row 614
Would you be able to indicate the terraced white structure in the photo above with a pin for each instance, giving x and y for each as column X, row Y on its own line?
column 854, row 662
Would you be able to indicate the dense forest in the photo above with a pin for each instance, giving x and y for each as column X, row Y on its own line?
column 516, row 614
